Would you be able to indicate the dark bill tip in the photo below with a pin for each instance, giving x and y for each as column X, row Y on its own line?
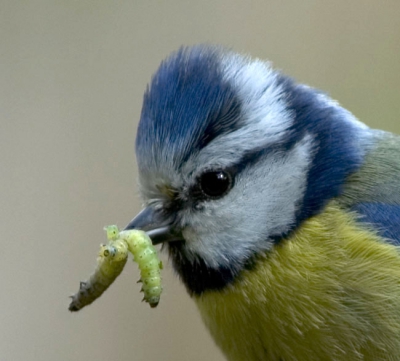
column 155, row 225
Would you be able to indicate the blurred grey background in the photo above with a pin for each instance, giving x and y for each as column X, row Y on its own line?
column 72, row 77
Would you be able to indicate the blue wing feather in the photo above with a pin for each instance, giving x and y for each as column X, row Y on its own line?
column 373, row 191
column 385, row 218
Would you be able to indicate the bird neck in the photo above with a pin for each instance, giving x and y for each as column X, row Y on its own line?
column 306, row 296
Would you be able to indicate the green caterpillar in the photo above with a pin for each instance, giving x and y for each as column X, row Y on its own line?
column 150, row 266
column 111, row 261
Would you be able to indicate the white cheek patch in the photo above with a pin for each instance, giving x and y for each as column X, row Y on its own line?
column 263, row 203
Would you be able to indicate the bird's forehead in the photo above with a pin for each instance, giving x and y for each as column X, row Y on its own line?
column 187, row 105
column 205, row 108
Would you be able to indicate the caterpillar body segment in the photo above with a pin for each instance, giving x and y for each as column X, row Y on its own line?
column 145, row 255
column 111, row 261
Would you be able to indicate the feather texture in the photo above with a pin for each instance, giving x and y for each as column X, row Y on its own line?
column 329, row 292
column 374, row 190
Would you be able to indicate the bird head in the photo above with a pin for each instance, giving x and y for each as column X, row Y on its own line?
column 232, row 157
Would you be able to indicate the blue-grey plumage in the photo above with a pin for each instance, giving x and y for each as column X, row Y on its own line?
column 374, row 190
column 236, row 163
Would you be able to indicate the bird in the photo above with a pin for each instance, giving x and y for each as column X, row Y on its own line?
column 278, row 208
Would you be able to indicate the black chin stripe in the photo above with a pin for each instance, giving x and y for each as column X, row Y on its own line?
column 198, row 277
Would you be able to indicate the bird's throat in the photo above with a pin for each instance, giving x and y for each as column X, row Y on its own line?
column 322, row 292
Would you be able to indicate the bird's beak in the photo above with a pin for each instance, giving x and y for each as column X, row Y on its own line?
column 158, row 228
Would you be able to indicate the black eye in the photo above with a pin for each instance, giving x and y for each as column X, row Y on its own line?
column 215, row 184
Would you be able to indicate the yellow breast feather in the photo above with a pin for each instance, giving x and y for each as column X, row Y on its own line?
column 329, row 292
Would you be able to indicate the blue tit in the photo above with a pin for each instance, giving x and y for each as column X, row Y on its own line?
column 279, row 209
